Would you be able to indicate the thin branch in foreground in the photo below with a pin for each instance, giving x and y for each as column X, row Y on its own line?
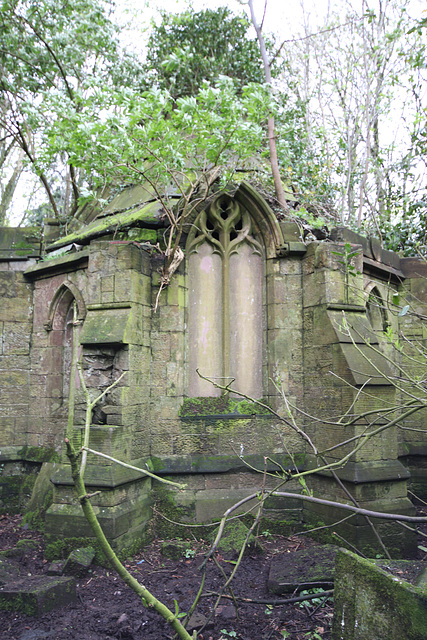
column 276, row 603
column 145, row 472
column 146, row 596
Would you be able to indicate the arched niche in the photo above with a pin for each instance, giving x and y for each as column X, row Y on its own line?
column 66, row 308
column 376, row 309
column 61, row 302
column 225, row 268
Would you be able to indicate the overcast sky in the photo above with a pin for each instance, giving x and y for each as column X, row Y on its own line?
column 283, row 17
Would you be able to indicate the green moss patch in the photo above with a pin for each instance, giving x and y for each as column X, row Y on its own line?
column 234, row 537
column 37, row 595
column 308, row 569
column 61, row 548
column 39, row 454
column 197, row 407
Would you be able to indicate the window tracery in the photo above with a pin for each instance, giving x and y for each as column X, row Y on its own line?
column 225, row 270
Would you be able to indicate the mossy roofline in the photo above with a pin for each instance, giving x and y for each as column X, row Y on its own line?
column 150, row 215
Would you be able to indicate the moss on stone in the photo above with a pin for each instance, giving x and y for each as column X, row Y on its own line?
column 368, row 598
column 60, row 548
column 39, row 454
column 234, row 537
column 41, row 498
column 137, row 234
column 282, row 527
column 223, row 405
column 26, row 544
column 173, row 520
column 16, row 487
column 148, row 213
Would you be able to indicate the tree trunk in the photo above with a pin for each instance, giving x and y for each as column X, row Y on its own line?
column 278, row 186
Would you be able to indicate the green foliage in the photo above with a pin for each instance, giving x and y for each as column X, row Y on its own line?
column 404, row 230
column 347, row 256
column 53, row 55
column 121, row 135
column 392, row 339
column 313, row 602
column 187, row 49
column 303, row 161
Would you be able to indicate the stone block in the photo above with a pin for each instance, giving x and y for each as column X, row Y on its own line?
column 372, row 603
column 37, row 595
column 13, row 378
column 8, row 432
column 213, row 503
column 107, row 297
column 131, row 257
column 7, row 284
column 290, row 266
column 130, row 286
column 140, row 445
column 16, row 338
column 187, row 444
column 93, row 291
column 161, row 444
column 79, row 561
column 284, row 289
column 16, row 309
column 174, row 373
column 160, row 346
column 177, row 347
column 282, row 316
column 115, row 521
column 171, row 318
column 306, row 569
column 314, row 290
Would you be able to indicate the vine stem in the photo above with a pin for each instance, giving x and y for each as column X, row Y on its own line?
column 146, row 596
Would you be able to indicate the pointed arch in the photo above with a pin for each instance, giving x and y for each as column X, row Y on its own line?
column 375, row 308
column 264, row 220
column 226, row 267
column 60, row 327
column 61, row 302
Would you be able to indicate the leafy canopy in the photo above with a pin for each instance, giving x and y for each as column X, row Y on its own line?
column 54, row 53
column 123, row 135
column 186, row 49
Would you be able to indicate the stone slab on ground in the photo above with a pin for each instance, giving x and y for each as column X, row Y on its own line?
column 35, row 595
column 9, row 570
column 374, row 604
column 79, row 561
column 306, row 569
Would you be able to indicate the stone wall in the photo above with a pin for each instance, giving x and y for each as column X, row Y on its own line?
column 413, row 437
column 370, row 602
column 19, row 446
column 316, row 339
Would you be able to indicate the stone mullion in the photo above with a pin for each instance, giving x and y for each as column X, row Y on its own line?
column 225, row 241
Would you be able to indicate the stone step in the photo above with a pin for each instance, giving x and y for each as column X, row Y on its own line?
column 306, row 569
column 35, row 595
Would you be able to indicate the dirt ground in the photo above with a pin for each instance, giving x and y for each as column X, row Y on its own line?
column 106, row 609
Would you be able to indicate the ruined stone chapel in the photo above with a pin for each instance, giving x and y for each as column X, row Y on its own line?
column 252, row 307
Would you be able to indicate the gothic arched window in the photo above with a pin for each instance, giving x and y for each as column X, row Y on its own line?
column 225, row 276
column 60, row 326
column 376, row 311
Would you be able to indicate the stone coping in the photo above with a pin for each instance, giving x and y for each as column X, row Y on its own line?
column 60, row 264
column 114, row 475
column 363, row 472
